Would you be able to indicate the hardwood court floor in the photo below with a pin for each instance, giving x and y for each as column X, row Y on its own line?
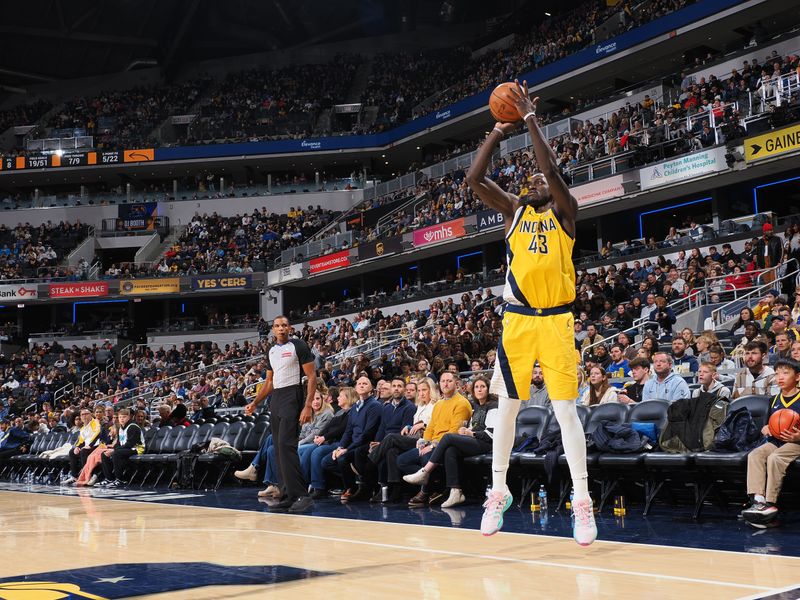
column 46, row 533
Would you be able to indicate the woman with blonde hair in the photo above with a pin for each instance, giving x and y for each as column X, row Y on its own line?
column 325, row 442
column 600, row 391
column 394, row 444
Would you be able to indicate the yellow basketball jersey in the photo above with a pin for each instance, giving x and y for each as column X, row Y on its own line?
column 540, row 270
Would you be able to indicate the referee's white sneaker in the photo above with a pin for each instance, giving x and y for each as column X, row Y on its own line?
column 584, row 530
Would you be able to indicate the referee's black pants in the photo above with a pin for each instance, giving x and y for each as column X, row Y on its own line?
column 285, row 406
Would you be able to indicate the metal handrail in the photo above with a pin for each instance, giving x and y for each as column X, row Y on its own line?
column 410, row 336
column 187, row 376
column 716, row 314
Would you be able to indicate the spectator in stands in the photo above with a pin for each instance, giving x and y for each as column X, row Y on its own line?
column 755, row 377
column 782, row 349
column 619, row 367
column 666, row 385
column 682, row 363
column 701, row 346
column 362, row 427
column 716, row 356
column 539, row 395
column 13, row 438
column 768, row 252
column 129, row 438
column 88, row 439
column 592, row 337
column 312, row 455
column 201, row 409
column 471, row 440
column 396, row 415
column 767, row 464
column 394, row 445
column 451, row 413
column 599, row 390
column 709, row 386
column 631, row 392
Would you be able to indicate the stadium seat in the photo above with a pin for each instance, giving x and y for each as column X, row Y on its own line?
column 235, row 435
column 614, row 467
column 718, row 470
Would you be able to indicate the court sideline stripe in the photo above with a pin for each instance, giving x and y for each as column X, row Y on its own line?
column 416, row 549
column 346, row 520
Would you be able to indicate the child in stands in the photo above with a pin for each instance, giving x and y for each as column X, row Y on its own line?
column 767, row 464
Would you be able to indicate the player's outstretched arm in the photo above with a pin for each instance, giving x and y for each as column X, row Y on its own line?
column 487, row 190
column 565, row 204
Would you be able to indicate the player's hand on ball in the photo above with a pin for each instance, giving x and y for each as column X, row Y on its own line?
column 506, row 128
column 522, row 98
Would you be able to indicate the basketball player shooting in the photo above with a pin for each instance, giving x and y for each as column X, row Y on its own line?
column 538, row 322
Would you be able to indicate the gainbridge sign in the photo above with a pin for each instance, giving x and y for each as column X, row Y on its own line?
column 773, row 143
column 18, row 292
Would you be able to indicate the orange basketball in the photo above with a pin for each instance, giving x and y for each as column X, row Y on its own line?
column 501, row 104
column 783, row 420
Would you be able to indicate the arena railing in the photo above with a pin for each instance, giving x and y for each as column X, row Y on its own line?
column 148, row 395
column 377, row 350
column 694, row 299
column 728, row 311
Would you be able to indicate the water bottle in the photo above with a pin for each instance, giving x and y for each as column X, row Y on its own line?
column 29, row 478
column 535, row 502
column 571, row 497
column 542, row 499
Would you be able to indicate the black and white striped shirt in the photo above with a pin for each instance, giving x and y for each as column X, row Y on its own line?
column 286, row 362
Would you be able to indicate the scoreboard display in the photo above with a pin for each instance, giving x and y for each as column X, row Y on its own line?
column 49, row 161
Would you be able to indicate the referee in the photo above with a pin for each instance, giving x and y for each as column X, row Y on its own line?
column 287, row 360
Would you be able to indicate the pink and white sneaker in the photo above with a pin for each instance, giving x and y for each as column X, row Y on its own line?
column 496, row 504
column 584, row 529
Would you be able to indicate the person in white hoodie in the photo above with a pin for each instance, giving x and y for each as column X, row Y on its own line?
column 707, row 377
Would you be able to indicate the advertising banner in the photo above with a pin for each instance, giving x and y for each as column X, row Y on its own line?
column 683, row 168
column 84, row 289
column 602, row 189
column 223, row 282
column 137, row 216
column 439, row 233
column 773, row 143
column 490, row 219
column 170, row 285
column 329, row 262
column 391, row 245
column 19, row 292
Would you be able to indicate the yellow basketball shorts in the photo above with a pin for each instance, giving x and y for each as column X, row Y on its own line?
column 526, row 339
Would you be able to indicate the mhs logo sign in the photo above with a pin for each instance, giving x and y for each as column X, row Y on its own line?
column 439, row 233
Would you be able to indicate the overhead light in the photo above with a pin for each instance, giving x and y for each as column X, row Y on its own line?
column 417, row 147
column 383, row 156
column 547, row 14
column 386, row 163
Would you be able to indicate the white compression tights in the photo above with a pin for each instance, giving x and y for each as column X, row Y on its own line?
column 572, row 438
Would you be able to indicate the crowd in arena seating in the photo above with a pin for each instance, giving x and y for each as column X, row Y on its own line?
column 261, row 103
column 24, row 114
column 212, row 243
column 27, row 251
column 31, row 379
column 459, row 77
column 126, row 119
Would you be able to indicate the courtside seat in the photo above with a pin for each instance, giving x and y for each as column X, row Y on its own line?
column 727, row 468
column 235, row 435
column 613, row 467
column 531, row 422
column 140, row 462
column 63, row 461
column 25, row 461
column 255, row 438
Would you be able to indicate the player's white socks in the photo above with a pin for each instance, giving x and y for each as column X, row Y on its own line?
column 503, row 440
column 574, row 441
